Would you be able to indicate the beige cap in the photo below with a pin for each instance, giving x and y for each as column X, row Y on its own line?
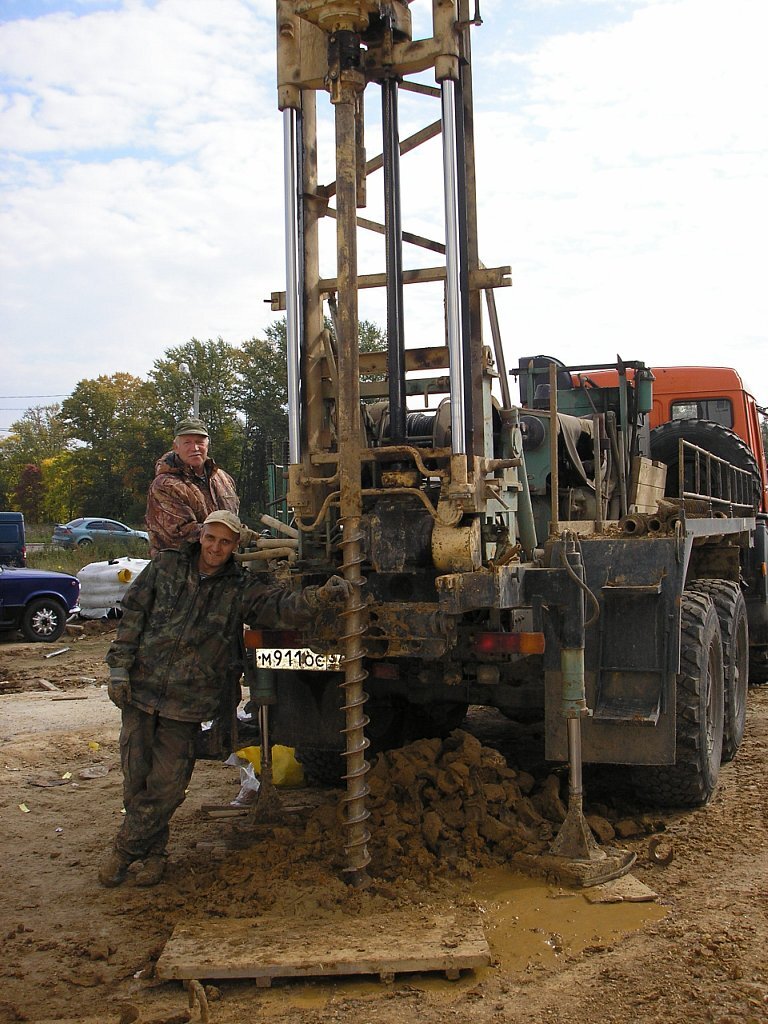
column 228, row 519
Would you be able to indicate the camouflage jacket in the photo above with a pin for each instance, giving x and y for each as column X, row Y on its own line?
column 180, row 635
column 177, row 504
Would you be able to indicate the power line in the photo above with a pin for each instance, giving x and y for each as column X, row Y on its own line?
column 5, row 398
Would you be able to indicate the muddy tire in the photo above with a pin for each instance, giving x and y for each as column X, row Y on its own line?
column 712, row 437
column 732, row 613
column 691, row 780
column 321, row 767
column 426, row 721
column 758, row 669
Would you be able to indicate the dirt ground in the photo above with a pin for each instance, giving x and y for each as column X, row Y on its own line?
column 74, row 951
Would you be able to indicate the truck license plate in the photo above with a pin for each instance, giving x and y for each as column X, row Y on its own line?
column 297, row 658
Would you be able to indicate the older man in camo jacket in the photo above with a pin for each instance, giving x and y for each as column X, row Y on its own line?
column 188, row 486
column 177, row 647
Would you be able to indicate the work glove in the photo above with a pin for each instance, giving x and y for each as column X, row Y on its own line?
column 119, row 687
column 248, row 537
column 335, row 590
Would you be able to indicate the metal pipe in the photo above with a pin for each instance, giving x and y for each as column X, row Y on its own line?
column 267, row 554
column 266, row 746
column 292, row 165
column 280, row 526
column 276, row 542
column 453, row 268
column 498, row 348
column 393, row 235
column 575, row 777
column 617, row 449
column 526, row 524
column 348, row 424
column 554, row 477
column 598, row 456
column 471, row 306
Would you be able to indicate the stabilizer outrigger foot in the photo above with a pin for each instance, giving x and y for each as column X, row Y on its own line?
column 574, row 857
column 576, row 873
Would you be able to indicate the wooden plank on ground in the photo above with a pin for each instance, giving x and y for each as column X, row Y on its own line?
column 264, row 948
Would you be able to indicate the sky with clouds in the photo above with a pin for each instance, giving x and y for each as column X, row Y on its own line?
column 622, row 168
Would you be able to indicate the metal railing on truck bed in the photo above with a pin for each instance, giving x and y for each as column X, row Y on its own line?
column 705, row 477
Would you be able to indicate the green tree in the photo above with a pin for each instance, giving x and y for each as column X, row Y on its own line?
column 38, row 435
column 213, row 365
column 28, row 493
column 97, row 453
column 262, row 397
column 114, row 418
column 61, row 485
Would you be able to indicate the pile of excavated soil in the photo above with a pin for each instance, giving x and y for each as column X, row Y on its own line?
column 450, row 805
column 74, row 951
column 436, row 807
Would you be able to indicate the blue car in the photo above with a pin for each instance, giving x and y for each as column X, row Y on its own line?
column 94, row 530
column 37, row 602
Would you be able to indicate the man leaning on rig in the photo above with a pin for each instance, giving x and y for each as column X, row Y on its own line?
column 188, row 485
column 177, row 647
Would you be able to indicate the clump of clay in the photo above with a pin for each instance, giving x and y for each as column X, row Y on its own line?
column 451, row 804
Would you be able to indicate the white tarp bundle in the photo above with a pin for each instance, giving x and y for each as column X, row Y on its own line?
column 103, row 584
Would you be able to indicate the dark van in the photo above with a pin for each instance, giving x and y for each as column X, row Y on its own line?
column 13, row 543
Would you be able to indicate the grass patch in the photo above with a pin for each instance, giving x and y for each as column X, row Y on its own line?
column 71, row 560
column 38, row 533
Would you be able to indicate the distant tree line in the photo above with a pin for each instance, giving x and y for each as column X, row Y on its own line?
column 95, row 453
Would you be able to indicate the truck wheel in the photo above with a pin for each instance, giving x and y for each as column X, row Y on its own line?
column 44, row 619
column 732, row 613
column 425, row 721
column 691, row 780
column 321, row 767
column 712, row 437
column 758, row 667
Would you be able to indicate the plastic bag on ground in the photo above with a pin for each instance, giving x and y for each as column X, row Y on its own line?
column 249, row 788
column 286, row 770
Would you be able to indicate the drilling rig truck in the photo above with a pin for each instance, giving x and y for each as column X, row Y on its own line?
column 523, row 557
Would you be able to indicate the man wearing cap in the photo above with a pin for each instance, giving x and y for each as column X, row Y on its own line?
column 188, row 485
column 176, row 650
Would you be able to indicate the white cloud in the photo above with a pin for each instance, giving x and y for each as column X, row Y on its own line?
column 622, row 156
column 140, row 185
column 635, row 165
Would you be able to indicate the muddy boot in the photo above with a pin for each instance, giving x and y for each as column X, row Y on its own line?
column 114, row 869
column 151, row 870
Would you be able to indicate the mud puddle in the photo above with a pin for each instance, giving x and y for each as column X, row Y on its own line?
column 528, row 922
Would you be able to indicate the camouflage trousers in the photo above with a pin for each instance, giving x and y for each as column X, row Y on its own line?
column 157, row 756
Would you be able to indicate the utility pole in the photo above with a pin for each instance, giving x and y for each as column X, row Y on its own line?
column 195, row 390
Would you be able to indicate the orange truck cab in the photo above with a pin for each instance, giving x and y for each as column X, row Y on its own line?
column 705, row 406
column 714, row 393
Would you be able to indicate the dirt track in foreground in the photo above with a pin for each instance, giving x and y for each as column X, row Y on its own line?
column 72, row 951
